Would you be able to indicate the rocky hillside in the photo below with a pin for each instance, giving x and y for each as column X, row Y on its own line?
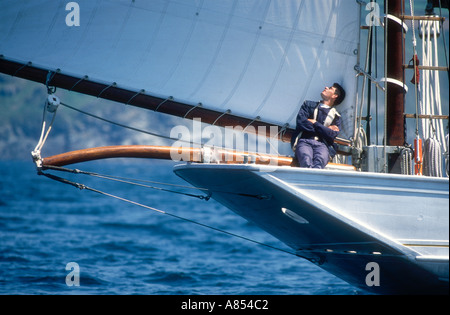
column 22, row 103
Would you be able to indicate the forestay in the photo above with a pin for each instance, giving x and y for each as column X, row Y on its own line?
column 254, row 57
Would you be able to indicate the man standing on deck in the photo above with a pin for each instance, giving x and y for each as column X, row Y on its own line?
column 318, row 124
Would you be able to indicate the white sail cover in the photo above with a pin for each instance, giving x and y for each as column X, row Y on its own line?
column 253, row 57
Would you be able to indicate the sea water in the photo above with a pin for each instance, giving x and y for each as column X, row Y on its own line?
column 52, row 234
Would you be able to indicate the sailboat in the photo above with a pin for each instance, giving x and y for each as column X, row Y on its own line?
column 377, row 217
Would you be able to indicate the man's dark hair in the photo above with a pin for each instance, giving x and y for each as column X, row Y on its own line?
column 340, row 92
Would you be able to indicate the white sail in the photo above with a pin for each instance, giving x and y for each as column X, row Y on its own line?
column 256, row 58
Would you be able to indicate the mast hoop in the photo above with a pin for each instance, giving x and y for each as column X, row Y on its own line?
column 398, row 21
column 396, row 82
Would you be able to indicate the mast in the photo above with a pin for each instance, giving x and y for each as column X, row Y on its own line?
column 395, row 127
column 395, row 93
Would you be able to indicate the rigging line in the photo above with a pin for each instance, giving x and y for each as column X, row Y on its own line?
column 38, row 146
column 144, row 131
column 275, row 150
column 416, row 83
column 206, row 198
column 129, row 181
column 44, row 135
column 359, row 113
column 368, row 129
column 443, row 39
column 386, row 32
column 125, row 126
column 106, row 176
column 191, row 142
column 132, row 181
column 376, row 90
column 84, row 187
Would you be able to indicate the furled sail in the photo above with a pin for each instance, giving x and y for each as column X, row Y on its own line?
column 257, row 59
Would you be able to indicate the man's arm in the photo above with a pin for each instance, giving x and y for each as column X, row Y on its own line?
column 303, row 123
column 328, row 133
column 332, row 127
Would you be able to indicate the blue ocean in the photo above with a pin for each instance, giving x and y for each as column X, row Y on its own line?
column 52, row 234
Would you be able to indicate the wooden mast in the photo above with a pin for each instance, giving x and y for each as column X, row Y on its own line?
column 395, row 129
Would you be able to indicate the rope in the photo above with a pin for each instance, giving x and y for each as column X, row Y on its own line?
column 444, row 38
column 430, row 104
column 447, row 171
column 133, row 181
column 430, row 99
column 125, row 126
column 51, row 106
column 432, row 164
column 361, row 139
column 200, row 144
column 84, row 187
column 358, row 113
column 416, row 81
column 130, row 181
column 407, row 155
column 386, row 32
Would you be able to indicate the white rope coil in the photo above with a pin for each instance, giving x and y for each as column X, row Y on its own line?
column 407, row 161
column 432, row 158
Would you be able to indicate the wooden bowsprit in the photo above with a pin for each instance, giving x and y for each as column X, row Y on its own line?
column 186, row 154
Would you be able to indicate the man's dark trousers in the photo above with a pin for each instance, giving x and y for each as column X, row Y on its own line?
column 312, row 153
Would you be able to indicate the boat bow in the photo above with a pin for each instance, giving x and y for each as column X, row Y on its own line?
column 318, row 213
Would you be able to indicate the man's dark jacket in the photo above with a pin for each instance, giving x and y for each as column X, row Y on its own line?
column 310, row 131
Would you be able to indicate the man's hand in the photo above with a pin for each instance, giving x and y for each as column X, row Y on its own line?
column 334, row 128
